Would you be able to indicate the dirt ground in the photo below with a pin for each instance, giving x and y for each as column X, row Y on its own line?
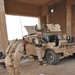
column 65, row 67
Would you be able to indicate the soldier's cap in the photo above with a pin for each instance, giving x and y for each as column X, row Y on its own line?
column 39, row 33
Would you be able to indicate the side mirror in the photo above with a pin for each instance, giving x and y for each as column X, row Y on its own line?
column 68, row 39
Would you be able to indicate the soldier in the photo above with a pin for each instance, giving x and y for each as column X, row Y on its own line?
column 19, row 52
column 13, row 57
column 38, row 46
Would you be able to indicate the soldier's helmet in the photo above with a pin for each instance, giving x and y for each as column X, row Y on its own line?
column 39, row 33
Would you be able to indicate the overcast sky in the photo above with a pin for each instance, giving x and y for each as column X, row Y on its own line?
column 15, row 25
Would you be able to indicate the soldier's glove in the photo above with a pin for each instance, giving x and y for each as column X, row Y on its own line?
column 43, row 44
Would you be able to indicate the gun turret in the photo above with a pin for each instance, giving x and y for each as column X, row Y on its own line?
column 39, row 30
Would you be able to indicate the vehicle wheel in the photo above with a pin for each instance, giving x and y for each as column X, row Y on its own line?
column 51, row 57
column 73, row 56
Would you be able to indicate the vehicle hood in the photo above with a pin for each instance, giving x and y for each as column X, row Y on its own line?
column 30, row 29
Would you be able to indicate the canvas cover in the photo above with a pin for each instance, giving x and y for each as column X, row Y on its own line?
column 54, row 27
column 51, row 27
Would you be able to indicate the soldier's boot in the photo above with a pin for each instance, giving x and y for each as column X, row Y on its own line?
column 42, row 63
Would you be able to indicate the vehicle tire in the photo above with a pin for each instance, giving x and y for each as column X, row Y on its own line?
column 72, row 56
column 51, row 57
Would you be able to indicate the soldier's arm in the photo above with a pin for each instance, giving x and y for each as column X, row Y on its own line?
column 37, row 43
column 9, row 46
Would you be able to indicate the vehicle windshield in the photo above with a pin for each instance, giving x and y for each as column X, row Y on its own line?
column 51, row 37
column 60, row 36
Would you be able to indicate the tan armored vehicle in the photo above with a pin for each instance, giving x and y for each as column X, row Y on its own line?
column 51, row 52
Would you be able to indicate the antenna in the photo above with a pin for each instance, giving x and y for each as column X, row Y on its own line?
column 21, row 26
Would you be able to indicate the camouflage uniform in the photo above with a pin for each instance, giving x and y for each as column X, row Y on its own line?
column 14, row 54
column 38, row 47
column 39, row 44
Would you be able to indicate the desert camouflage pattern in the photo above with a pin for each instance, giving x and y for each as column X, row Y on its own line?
column 39, row 53
column 14, row 54
column 64, row 47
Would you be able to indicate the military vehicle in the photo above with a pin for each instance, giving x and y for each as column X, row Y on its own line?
column 53, row 51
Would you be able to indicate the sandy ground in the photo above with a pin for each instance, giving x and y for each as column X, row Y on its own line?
column 65, row 67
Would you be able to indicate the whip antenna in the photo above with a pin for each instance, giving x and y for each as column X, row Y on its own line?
column 21, row 27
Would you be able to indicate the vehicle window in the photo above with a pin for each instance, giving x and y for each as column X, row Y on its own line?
column 60, row 37
column 45, row 38
column 52, row 38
